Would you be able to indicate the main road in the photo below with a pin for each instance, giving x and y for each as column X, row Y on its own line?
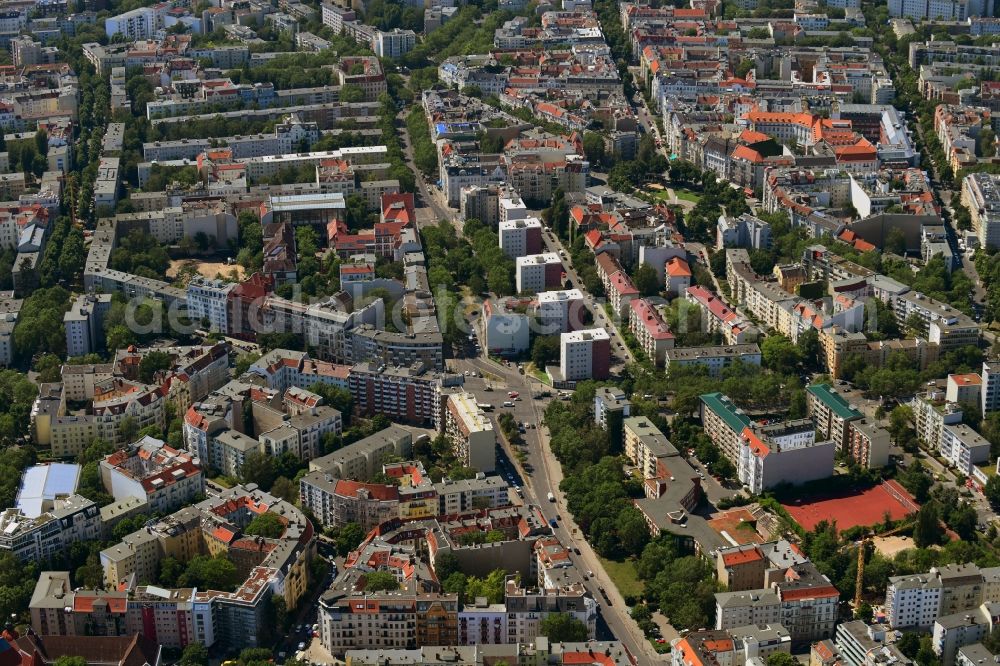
column 619, row 349
column 540, row 475
column 541, row 472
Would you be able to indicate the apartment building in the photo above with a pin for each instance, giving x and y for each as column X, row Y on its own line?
column 519, row 238
column 507, row 330
column 645, row 445
column 363, row 459
column 832, row 414
column 282, row 369
column 718, row 317
column 470, row 432
column 462, row 496
column 135, row 25
column 296, row 425
column 714, row 357
column 560, row 311
column 678, row 276
column 611, row 408
column 724, row 423
column 931, row 413
column 990, row 393
column 175, row 617
column 208, row 302
column 745, row 231
column 946, row 326
column 963, row 447
column 286, row 137
column 101, row 612
column 162, row 477
column 650, row 330
column 941, row 10
column 408, row 394
column 364, row 72
column 337, row 502
column 584, row 354
column 84, row 323
column 741, row 568
column 390, row 620
column 859, row 644
column 918, row 600
column 612, row 653
column 618, row 286
column 108, row 180
column 868, row 444
column 393, row 44
column 334, row 17
column 965, row 388
column 783, row 453
column 974, row 654
column 422, row 344
column 536, row 273
column 57, row 525
column 952, row 632
column 748, row 607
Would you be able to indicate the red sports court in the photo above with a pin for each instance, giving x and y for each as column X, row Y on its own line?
column 850, row 509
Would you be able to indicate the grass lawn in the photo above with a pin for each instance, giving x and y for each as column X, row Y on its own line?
column 624, row 576
column 224, row 481
column 687, row 195
column 540, row 375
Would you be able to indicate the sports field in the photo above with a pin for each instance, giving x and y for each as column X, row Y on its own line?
column 850, row 509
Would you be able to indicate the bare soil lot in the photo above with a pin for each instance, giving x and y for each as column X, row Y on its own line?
column 207, row 269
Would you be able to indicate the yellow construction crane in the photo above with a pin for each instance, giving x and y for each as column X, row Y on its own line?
column 859, row 582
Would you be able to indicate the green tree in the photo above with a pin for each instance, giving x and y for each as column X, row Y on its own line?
column 780, row 354
column 194, row 654
column 211, row 573
column 171, row 569
column 632, row 530
column 544, row 350
column 992, row 492
column 916, row 480
column 446, row 564
column 286, row 489
column 593, row 148
column 562, row 627
column 347, row 537
column 557, row 214
column 491, row 587
column 809, row 349
column 67, row 660
column 895, row 241
column 376, row 581
column 128, row 428
column 267, row 525
column 152, row 363
column 646, row 280
column 244, row 361
column 336, row 397
column 781, row 659
column 927, row 531
column 900, row 428
column 259, row 468
column 350, row 94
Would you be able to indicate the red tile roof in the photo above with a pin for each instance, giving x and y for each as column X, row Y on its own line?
column 742, row 557
column 677, row 267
